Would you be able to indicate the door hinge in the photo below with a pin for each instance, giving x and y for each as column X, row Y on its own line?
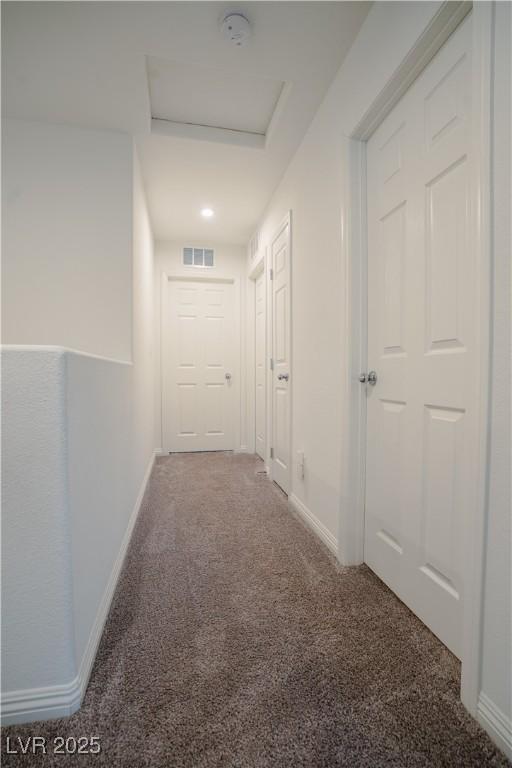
column 271, row 363
column 271, row 273
column 271, row 453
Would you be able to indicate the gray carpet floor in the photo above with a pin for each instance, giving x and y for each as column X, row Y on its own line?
column 235, row 641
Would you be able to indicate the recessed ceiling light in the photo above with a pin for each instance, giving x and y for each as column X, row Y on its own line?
column 207, row 213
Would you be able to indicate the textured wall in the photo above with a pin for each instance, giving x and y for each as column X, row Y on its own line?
column 101, row 481
column 78, row 440
column 37, row 629
column 72, row 480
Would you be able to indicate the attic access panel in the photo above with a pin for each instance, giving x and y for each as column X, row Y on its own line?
column 194, row 101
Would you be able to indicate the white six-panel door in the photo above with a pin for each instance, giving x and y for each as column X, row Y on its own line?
column 281, row 354
column 260, row 369
column 422, row 416
column 198, row 388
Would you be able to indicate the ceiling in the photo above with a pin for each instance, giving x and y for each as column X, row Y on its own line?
column 115, row 65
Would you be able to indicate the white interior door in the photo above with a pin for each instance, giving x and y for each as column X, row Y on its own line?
column 198, row 387
column 281, row 356
column 422, row 341
column 260, row 370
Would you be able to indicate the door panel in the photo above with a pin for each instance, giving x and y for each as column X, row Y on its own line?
column 197, row 353
column 260, row 405
column 281, row 326
column 421, row 341
column 446, row 247
column 186, row 331
column 393, row 255
column 187, row 409
column 281, row 344
column 214, row 416
column 214, row 338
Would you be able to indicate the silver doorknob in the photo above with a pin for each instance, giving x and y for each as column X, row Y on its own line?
column 227, row 376
column 283, row 376
column 371, row 378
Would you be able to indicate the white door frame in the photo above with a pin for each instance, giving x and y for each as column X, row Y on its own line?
column 254, row 274
column 237, row 367
column 354, row 257
column 287, row 220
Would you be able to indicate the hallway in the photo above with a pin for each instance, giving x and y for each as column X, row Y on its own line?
column 235, row 640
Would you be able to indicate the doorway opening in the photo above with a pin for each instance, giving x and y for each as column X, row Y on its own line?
column 281, row 355
column 200, row 364
column 440, row 412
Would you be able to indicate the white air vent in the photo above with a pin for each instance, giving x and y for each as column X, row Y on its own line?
column 198, row 257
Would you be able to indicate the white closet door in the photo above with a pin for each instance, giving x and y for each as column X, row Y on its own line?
column 197, row 366
column 260, row 404
column 422, row 341
column 281, row 343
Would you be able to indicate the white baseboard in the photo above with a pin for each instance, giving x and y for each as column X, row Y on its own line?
column 41, row 703
column 54, row 701
column 314, row 523
column 101, row 616
column 496, row 723
column 242, row 449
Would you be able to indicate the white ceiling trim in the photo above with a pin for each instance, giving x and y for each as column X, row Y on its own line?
column 252, row 139
column 208, row 133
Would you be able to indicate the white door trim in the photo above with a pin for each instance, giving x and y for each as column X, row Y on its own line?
column 354, row 256
column 237, row 368
column 254, row 274
column 286, row 221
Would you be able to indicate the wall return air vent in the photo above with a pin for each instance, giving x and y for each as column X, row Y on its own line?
column 198, row 257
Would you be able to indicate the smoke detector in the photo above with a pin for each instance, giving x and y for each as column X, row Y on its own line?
column 236, row 29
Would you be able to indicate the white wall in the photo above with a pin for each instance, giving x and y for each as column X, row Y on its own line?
column 497, row 634
column 111, row 438
column 255, row 266
column 143, row 276
column 37, row 629
column 312, row 188
column 66, row 241
column 230, row 264
column 78, row 445
column 102, row 491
